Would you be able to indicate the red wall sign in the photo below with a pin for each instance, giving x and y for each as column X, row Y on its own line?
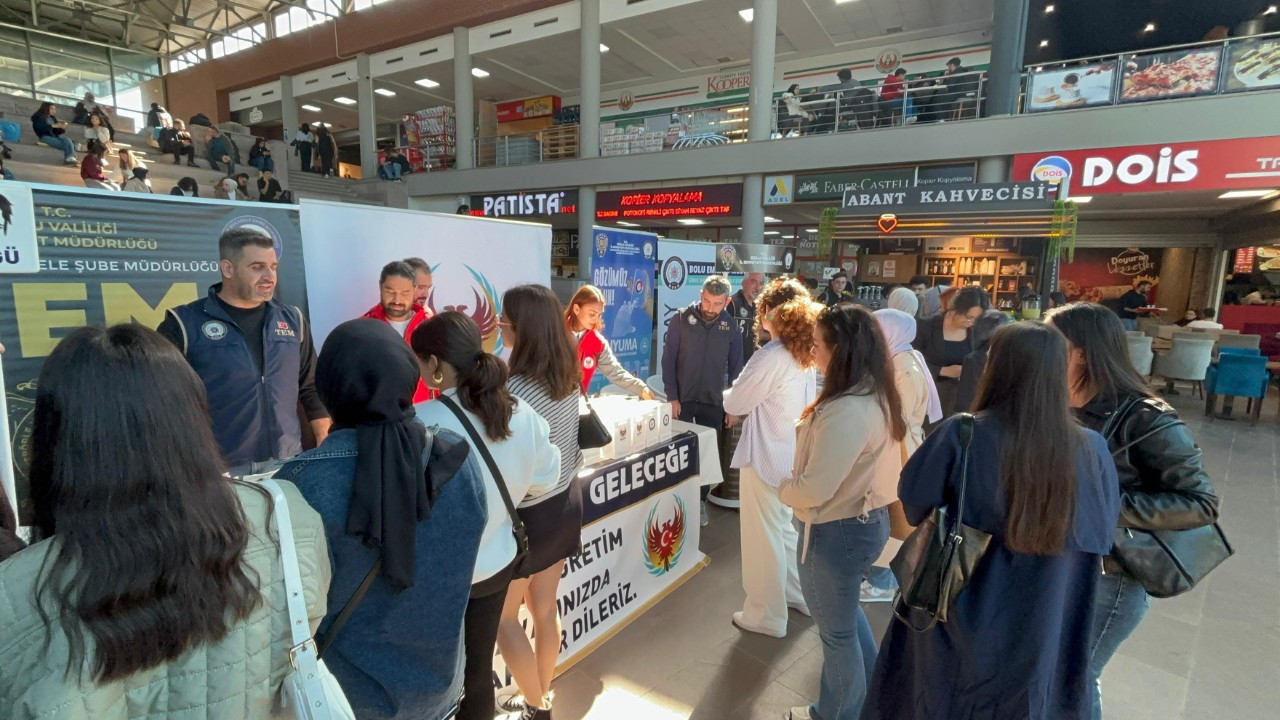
column 704, row 201
column 528, row 108
column 1208, row 165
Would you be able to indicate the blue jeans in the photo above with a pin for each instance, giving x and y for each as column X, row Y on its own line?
column 1118, row 608
column 60, row 142
column 1129, row 323
column 393, row 170
column 839, row 553
column 263, row 163
column 881, row 578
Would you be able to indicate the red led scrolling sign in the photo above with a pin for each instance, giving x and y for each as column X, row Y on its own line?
column 708, row 201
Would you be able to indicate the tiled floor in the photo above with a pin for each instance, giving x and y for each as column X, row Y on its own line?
column 1213, row 654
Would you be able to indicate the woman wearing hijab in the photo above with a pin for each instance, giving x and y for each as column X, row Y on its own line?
column 920, row 403
column 403, row 509
column 905, row 300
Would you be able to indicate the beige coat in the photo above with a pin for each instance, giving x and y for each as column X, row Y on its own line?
column 847, row 464
column 913, row 389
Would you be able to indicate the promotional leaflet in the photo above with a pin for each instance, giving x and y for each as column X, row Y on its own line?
column 109, row 258
column 623, row 269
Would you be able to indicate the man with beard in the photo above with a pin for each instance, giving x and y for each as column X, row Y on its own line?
column 399, row 307
column 254, row 354
column 703, row 349
column 743, row 309
column 421, row 283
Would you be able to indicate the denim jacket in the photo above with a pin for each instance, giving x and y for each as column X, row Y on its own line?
column 400, row 655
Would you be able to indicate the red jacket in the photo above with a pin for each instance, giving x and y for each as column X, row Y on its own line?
column 420, row 315
column 589, row 349
column 891, row 89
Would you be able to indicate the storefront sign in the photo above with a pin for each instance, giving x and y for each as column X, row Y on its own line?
column 974, row 198
column 965, row 174
column 995, row 245
column 748, row 258
column 778, row 189
column 830, row 187
column 1130, row 262
column 1209, row 165
column 528, row 108
column 727, row 84
column 525, row 204
column 704, row 201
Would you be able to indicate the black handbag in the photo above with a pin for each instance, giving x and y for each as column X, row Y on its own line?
column 517, row 525
column 1166, row 562
column 938, row 558
column 591, row 430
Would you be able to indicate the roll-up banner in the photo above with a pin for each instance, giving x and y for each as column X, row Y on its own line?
column 108, row 258
column 682, row 267
column 474, row 261
column 623, row 270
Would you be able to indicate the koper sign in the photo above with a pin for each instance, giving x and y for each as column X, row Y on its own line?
column 973, row 198
column 525, row 204
column 1248, row 163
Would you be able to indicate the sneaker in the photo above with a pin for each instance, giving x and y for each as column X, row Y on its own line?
column 798, row 713
column 70, row 161
column 706, row 517
column 873, row 594
column 509, row 702
column 531, row 713
column 737, row 621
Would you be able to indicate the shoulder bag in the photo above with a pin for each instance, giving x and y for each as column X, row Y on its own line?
column 1166, row 562
column 938, row 558
column 517, row 525
column 310, row 691
column 591, row 430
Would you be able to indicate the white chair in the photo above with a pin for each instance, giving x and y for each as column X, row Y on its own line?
column 1140, row 353
column 1165, row 332
column 1188, row 360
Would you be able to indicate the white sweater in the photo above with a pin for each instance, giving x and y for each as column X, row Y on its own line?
column 529, row 463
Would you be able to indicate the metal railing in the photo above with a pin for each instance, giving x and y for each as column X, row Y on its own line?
column 940, row 98
column 1233, row 65
column 516, row 149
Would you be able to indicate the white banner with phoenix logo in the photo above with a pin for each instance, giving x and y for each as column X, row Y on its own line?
column 640, row 540
column 474, row 260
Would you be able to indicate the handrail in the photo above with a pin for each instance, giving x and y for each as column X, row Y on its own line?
column 1032, row 67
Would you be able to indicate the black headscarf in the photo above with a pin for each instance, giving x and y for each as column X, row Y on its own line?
column 366, row 377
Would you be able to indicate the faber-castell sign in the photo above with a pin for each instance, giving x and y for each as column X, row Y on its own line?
column 969, row 198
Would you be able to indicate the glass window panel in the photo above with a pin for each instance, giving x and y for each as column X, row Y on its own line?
column 282, row 24
column 64, row 74
column 136, row 91
column 14, row 68
column 71, row 48
column 142, row 62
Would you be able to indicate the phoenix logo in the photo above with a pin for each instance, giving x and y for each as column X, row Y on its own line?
column 484, row 311
column 664, row 539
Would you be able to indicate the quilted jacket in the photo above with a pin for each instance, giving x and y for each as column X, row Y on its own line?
column 237, row 679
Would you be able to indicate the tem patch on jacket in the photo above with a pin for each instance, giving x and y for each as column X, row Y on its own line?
column 283, row 329
column 214, row 330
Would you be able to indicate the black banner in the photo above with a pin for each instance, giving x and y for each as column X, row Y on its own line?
column 109, row 258
column 622, row 483
column 972, row 198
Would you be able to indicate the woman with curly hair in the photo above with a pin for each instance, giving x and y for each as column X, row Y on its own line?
column 774, row 388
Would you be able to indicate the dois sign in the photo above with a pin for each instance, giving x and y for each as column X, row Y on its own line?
column 1211, row 165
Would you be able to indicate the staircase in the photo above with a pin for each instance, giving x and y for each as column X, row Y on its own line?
column 333, row 189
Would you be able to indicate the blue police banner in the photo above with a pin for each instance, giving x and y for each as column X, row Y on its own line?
column 623, row 269
column 108, row 258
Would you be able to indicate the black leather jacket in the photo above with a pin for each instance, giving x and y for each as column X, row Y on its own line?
column 1163, row 485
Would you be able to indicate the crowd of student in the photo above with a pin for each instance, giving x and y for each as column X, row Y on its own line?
column 439, row 497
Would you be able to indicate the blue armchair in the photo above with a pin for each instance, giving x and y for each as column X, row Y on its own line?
column 1237, row 375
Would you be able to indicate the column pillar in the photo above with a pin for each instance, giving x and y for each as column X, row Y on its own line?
column 764, row 31
column 1008, row 44
column 464, row 101
column 752, row 210
column 366, row 104
column 589, row 74
column 289, row 118
column 586, row 225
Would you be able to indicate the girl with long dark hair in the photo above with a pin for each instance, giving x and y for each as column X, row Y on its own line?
column 52, row 132
column 585, row 319
column 945, row 340
column 151, row 568
column 327, row 147
column 846, row 464
column 452, row 360
column 544, row 377
column 1015, row 642
column 1163, row 484
column 93, row 169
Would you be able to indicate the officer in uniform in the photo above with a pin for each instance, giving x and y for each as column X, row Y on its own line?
column 703, row 350
column 254, row 354
column 743, row 309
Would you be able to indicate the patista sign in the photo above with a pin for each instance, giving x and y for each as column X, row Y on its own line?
column 1211, row 165
column 525, row 204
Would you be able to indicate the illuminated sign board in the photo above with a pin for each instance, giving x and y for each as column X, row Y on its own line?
column 678, row 202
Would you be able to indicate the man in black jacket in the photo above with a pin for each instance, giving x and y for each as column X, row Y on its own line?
column 743, row 309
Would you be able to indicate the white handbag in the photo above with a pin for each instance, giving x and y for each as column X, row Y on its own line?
column 310, row 691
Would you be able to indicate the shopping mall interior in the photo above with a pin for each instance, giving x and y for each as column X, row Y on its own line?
column 1043, row 151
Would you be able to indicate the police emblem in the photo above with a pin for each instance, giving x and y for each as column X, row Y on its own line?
column 214, row 330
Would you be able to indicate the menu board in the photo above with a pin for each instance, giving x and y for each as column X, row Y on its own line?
column 1245, row 258
column 1253, row 64
column 1080, row 86
column 995, row 245
column 1177, row 73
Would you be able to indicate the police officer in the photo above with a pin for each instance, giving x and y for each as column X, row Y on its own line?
column 702, row 351
column 255, row 355
column 743, row 308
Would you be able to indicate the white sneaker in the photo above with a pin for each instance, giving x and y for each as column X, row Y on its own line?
column 706, row 517
column 798, row 713
column 873, row 594
column 737, row 621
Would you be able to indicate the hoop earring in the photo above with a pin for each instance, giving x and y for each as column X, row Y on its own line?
column 437, row 379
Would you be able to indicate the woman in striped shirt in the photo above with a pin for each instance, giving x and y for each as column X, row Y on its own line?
column 544, row 376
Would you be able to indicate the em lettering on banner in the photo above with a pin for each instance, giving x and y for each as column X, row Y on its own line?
column 108, row 258
column 640, row 537
column 623, row 270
